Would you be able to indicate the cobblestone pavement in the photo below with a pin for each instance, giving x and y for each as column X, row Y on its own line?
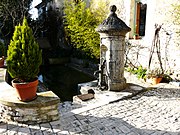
column 155, row 112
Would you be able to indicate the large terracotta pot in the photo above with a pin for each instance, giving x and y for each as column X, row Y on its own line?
column 26, row 91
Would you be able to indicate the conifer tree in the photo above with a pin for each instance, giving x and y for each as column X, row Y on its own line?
column 23, row 56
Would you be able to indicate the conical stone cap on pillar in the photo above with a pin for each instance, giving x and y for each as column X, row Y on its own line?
column 113, row 24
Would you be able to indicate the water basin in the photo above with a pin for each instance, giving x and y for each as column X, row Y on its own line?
column 63, row 80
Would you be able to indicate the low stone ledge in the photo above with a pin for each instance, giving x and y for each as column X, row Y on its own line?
column 43, row 109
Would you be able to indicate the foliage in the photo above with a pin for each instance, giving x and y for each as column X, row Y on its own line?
column 100, row 9
column 80, row 27
column 143, row 73
column 176, row 17
column 176, row 14
column 11, row 14
column 156, row 72
column 139, row 71
column 2, row 49
column 166, row 78
column 23, row 56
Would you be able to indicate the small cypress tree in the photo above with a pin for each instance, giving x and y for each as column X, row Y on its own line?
column 23, row 56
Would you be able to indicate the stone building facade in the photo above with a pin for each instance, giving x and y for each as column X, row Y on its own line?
column 159, row 13
column 142, row 16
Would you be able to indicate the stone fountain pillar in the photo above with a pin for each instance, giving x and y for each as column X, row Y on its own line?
column 112, row 47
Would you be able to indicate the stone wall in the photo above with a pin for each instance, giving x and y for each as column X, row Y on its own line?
column 44, row 108
column 161, row 13
column 32, row 115
column 169, row 37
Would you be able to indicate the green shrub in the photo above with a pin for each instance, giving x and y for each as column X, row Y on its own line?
column 23, row 56
column 139, row 71
column 80, row 27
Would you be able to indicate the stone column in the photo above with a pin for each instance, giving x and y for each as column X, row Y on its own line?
column 112, row 34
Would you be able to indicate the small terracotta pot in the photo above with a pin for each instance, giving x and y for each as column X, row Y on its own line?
column 156, row 80
column 2, row 62
column 26, row 91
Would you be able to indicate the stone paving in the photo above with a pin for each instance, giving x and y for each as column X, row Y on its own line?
column 155, row 112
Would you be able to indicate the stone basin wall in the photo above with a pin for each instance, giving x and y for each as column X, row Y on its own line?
column 38, row 111
column 43, row 109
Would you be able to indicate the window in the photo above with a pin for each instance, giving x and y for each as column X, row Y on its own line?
column 140, row 19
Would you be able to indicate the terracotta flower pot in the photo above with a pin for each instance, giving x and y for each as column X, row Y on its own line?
column 156, row 80
column 2, row 62
column 26, row 91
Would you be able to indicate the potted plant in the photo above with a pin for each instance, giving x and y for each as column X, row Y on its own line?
column 154, row 76
column 136, row 36
column 24, row 58
column 2, row 53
